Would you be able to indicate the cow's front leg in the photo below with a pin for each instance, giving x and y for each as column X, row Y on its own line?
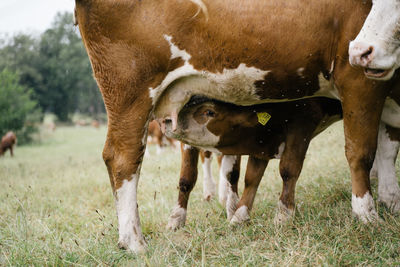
column 230, row 170
column 188, row 177
column 362, row 108
column 254, row 173
column 385, row 159
column 123, row 154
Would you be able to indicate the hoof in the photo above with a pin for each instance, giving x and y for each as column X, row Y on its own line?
column 391, row 199
column 134, row 246
column 177, row 218
column 283, row 214
column 364, row 208
column 241, row 215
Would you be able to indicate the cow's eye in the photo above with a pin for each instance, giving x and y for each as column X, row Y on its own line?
column 209, row 113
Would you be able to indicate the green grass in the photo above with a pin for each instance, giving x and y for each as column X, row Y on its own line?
column 56, row 208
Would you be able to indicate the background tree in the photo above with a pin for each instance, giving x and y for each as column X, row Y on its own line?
column 19, row 113
column 56, row 67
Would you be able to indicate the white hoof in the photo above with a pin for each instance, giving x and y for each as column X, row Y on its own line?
column 132, row 244
column 391, row 198
column 241, row 215
column 231, row 203
column 177, row 218
column 364, row 208
column 283, row 214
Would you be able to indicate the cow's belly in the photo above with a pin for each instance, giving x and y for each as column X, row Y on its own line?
column 391, row 113
column 244, row 85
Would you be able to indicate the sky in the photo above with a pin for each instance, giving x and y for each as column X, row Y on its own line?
column 30, row 16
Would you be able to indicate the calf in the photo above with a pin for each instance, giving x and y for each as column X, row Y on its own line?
column 263, row 132
column 7, row 142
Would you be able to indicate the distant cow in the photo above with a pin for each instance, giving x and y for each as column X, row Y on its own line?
column 7, row 142
column 156, row 136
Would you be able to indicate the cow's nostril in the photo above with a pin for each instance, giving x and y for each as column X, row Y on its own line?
column 367, row 54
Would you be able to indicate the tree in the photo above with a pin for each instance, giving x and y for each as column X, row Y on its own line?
column 18, row 111
column 55, row 65
column 66, row 71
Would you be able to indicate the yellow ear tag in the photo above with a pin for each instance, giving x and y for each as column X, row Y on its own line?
column 263, row 117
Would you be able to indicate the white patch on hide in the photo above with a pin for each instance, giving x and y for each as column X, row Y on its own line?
column 130, row 233
column 364, row 208
column 280, row 151
column 222, row 188
column 228, row 161
column 300, row 72
column 241, row 215
column 385, row 159
column 208, row 181
column 391, row 113
column 177, row 218
column 186, row 147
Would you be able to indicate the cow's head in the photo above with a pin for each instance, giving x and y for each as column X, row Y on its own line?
column 377, row 46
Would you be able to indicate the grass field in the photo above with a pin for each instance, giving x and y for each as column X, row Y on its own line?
column 56, row 208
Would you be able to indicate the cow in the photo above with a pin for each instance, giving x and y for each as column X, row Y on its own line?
column 7, row 142
column 377, row 47
column 156, row 136
column 264, row 132
column 242, row 52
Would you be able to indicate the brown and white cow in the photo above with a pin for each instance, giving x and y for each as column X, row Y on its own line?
column 264, row 132
column 243, row 52
column 7, row 143
column 377, row 47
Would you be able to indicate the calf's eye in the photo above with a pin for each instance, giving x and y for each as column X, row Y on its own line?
column 209, row 113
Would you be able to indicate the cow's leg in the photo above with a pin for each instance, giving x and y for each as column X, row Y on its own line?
column 188, row 177
column 123, row 154
column 222, row 184
column 11, row 151
column 230, row 168
column 385, row 159
column 290, row 166
column 362, row 107
column 208, row 180
column 254, row 173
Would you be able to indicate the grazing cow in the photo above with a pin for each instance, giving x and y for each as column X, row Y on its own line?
column 264, row 132
column 243, row 52
column 95, row 124
column 156, row 136
column 7, row 142
column 377, row 47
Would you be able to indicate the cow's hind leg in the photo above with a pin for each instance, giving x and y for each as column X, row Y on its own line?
column 254, row 173
column 208, row 181
column 188, row 177
column 385, row 159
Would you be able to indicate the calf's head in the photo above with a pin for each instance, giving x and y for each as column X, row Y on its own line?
column 377, row 46
column 209, row 123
